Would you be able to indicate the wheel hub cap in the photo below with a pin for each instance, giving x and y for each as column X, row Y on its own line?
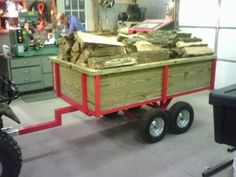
column 183, row 119
column 157, row 126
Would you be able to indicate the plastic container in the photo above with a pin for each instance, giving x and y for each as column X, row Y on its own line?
column 224, row 104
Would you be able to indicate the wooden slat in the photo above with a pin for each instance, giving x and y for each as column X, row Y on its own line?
column 189, row 76
column 71, row 84
column 93, row 72
column 129, row 88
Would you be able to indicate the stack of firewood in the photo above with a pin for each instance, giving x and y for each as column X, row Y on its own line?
column 94, row 51
column 66, row 45
column 179, row 44
column 98, row 52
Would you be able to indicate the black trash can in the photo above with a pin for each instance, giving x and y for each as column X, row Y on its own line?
column 224, row 107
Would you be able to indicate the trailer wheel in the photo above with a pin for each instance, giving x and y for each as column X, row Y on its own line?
column 181, row 117
column 153, row 126
column 10, row 156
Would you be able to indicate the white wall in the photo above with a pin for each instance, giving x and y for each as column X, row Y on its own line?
column 216, row 24
column 198, row 13
column 225, row 73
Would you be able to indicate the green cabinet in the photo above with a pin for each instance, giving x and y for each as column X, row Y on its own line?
column 30, row 86
column 26, row 75
column 19, row 63
column 29, row 73
column 47, row 80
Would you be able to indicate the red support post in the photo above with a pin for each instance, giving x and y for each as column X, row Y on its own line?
column 165, row 82
column 51, row 124
column 57, row 77
column 213, row 74
column 84, row 92
column 164, row 104
column 72, row 102
column 97, row 96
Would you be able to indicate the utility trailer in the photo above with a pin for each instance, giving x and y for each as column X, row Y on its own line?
column 105, row 92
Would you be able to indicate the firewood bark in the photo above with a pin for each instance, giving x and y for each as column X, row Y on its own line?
column 101, row 51
column 66, row 47
column 194, row 39
column 146, row 46
column 181, row 44
column 110, row 62
column 91, row 40
column 196, row 51
column 151, row 56
column 76, row 47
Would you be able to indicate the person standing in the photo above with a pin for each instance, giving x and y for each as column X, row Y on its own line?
column 71, row 23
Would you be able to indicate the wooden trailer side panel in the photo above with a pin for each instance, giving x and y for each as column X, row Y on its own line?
column 127, row 88
column 190, row 76
column 71, row 84
column 119, row 89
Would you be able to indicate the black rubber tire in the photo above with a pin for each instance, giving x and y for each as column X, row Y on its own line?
column 173, row 115
column 10, row 156
column 145, row 123
column 111, row 115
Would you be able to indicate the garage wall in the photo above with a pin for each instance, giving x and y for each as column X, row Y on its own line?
column 214, row 21
column 226, row 69
column 108, row 17
column 154, row 8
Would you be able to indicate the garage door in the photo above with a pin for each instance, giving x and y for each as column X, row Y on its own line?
column 214, row 21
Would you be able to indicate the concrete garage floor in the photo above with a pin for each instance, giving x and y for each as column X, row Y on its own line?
column 88, row 147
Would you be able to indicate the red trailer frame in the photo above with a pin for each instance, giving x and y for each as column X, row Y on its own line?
column 161, row 102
